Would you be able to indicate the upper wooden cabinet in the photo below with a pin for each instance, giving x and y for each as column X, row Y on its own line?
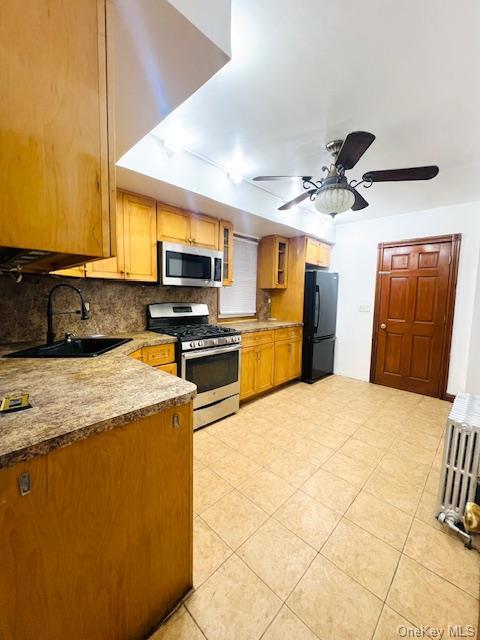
column 317, row 253
column 136, row 259
column 225, row 244
column 273, row 262
column 56, row 169
column 178, row 225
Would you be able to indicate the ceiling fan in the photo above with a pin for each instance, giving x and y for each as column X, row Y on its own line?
column 333, row 193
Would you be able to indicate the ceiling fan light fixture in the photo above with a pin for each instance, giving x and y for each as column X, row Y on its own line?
column 333, row 199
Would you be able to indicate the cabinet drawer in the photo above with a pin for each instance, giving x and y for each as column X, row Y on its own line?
column 288, row 333
column 136, row 355
column 259, row 337
column 168, row 368
column 159, row 354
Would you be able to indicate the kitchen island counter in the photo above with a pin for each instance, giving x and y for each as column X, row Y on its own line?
column 73, row 398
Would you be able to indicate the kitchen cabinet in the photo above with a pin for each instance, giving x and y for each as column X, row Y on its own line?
column 273, row 262
column 287, row 361
column 257, row 363
column 161, row 356
column 56, row 163
column 288, row 354
column 317, row 253
column 225, row 245
column 101, row 546
column 136, row 246
column 139, row 238
column 178, row 225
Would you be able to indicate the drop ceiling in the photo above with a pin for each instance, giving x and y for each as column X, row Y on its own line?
column 309, row 71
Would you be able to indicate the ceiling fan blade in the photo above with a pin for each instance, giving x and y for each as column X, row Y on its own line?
column 360, row 202
column 397, row 175
column 353, row 148
column 259, row 178
column 297, row 200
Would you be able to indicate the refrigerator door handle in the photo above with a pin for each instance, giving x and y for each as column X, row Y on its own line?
column 317, row 308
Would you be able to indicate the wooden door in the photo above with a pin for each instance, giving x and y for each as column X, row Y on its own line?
column 56, row 156
column 295, row 359
column 204, row 231
column 173, row 224
column 413, row 314
column 264, row 368
column 247, row 372
column 113, row 268
column 101, row 548
column 282, row 362
column 140, row 238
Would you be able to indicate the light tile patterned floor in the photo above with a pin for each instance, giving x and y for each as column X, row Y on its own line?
column 314, row 519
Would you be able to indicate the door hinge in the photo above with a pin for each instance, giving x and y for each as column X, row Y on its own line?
column 449, row 259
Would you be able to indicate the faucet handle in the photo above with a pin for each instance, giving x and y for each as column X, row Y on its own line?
column 69, row 336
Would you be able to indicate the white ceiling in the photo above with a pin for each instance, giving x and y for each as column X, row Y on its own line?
column 306, row 71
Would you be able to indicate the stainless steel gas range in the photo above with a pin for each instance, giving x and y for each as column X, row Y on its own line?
column 207, row 355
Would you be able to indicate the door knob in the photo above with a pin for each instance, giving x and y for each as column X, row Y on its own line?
column 383, row 326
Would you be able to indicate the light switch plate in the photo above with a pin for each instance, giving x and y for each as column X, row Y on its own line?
column 364, row 308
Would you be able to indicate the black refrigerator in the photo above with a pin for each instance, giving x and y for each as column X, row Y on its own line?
column 319, row 323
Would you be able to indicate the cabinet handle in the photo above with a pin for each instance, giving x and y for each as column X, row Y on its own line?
column 24, row 484
column 176, row 421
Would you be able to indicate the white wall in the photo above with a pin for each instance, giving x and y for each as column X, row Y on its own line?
column 473, row 372
column 355, row 258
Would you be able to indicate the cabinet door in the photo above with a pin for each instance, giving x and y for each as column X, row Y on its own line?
column 264, row 368
column 282, row 362
column 173, row 224
column 22, row 531
column 324, row 255
column 295, row 359
column 56, row 157
column 225, row 244
column 204, row 231
column 114, row 267
column 313, row 251
column 140, row 238
column 247, row 372
column 281, row 248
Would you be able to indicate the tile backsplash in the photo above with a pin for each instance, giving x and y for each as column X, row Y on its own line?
column 115, row 307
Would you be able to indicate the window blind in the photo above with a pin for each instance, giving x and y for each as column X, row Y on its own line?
column 241, row 298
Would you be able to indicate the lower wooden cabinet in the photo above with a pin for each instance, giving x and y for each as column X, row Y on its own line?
column 269, row 358
column 256, row 370
column 101, row 546
column 160, row 356
column 288, row 361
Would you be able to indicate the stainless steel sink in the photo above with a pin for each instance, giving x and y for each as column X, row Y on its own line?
column 74, row 348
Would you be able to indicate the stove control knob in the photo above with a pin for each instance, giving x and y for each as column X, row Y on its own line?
column 192, row 345
column 199, row 343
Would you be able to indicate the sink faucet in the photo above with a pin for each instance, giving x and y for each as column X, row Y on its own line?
column 83, row 309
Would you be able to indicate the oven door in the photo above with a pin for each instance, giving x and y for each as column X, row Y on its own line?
column 189, row 266
column 214, row 371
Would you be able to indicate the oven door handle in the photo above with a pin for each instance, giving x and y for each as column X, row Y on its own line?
column 188, row 355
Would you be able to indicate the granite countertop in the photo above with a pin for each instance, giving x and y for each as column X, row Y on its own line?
column 73, row 398
column 249, row 326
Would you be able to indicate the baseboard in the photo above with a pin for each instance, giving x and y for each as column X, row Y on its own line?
column 448, row 396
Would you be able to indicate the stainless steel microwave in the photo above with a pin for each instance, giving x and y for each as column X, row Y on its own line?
column 186, row 266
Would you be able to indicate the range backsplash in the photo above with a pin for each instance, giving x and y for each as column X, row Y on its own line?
column 115, row 307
